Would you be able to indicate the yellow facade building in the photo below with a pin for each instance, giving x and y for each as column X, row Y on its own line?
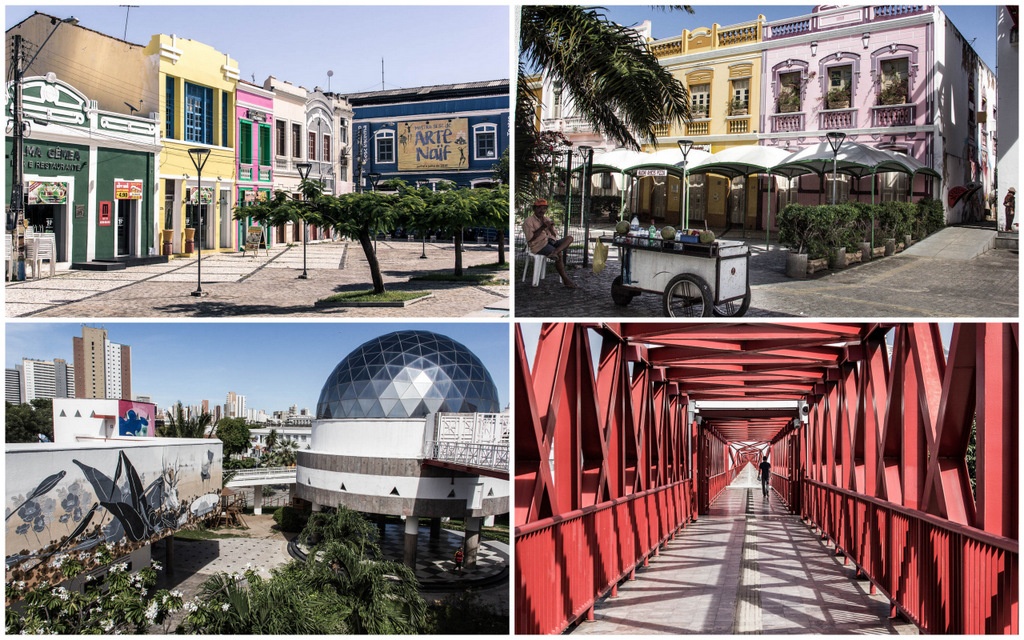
column 196, row 87
column 721, row 69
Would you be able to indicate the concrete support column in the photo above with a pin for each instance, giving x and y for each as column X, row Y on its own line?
column 169, row 555
column 412, row 532
column 489, row 521
column 315, row 507
column 472, row 540
column 435, row 528
column 257, row 500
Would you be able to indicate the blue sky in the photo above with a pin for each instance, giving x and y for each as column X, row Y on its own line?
column 421, row 45
column 973, row 21
column 274, row 365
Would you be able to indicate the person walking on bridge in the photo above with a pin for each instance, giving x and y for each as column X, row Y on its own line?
column 766, row 474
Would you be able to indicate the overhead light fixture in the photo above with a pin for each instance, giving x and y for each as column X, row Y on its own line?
column 814, row 48
column 866, row 39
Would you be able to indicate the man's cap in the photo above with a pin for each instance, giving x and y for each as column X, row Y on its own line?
column 1011, row 190
column 541, row 202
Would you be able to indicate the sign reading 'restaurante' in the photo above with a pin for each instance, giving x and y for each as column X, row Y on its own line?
column 433, row 144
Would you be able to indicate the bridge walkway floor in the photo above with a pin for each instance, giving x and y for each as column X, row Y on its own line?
column 747, row 567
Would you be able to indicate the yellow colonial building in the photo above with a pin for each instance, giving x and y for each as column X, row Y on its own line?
column 721, row 69
column 196, row 87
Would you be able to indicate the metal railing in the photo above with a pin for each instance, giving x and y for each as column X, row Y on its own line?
column 565, row 563
column 265, row 473
column 470, row 454
column 946, row 577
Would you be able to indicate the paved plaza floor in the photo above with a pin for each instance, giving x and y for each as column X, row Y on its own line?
column 915, row 284
column 266, row 285
column 748, row 567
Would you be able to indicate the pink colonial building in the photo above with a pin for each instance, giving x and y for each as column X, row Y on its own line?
column 254, row 113
column 896, row 77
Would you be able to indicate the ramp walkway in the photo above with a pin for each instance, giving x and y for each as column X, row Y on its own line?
column 954, row 243
column 748, row 567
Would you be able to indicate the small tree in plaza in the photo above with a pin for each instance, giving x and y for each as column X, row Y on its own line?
column 360, row 215
column 283, row 208
column 491, row 209
column 234, row 433
column 451, row 210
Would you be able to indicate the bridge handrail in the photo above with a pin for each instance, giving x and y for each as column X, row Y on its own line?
column 471, row 454
column 597, row 546
column 261, row 472
column 978, row 535
column 946, row 577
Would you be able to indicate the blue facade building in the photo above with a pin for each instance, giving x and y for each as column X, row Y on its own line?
column 422, row 135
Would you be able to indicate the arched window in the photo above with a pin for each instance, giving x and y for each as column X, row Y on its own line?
column 385, row 146
column 485, row 141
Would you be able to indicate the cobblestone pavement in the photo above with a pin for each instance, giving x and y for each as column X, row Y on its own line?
column 748, row 567
column 262, row 286
column 895, row 287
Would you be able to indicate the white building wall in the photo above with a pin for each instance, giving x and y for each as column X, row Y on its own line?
column 370, row 438
column 112, row 368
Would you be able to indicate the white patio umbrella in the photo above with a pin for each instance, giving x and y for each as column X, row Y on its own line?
column 749, row 160
column 671, row 159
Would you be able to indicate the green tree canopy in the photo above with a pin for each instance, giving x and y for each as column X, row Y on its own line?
column 234, row 433
column 25, row 422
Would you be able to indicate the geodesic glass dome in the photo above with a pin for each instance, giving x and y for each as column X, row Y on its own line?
column 408, row 374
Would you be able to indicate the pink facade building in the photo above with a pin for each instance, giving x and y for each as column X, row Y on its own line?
column 254, row 153
column 895, row 77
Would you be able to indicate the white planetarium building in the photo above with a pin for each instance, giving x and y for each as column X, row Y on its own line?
column 376, row 422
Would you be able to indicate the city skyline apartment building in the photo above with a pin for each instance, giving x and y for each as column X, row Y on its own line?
column 39, row 379
column 102, row 369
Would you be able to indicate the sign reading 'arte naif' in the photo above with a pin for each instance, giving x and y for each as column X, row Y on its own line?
column 433, row 144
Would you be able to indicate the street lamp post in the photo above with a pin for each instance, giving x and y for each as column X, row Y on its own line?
column 685, row 146
column 835, row 140
column 374, row 178
column 199, row 156
column 304, row 169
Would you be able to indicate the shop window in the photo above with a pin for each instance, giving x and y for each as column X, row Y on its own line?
column 343, row 132
column 700, row 98
column 198, row 114
column 265, row 145
column 894, row 186
column 385, row 146
column 485, row 141
column 245, row 142
column 296, row 140
column 842, row 187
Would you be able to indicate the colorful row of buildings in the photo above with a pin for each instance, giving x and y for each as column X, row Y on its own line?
column 106, row 163
column 896, row 77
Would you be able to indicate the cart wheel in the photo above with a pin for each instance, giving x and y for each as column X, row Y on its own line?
column 620, row 295
column 733, row 308
column 687, row 296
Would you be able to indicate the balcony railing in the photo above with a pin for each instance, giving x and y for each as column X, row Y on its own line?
column 739, row 124
column 810, row 23
column 896, row 11
column 787, row 29
column 892, row 115
column 698, row 127
column 837, row 119
column 245, row 174
column 738, row 35
column 665, row 48
column 662, row 129
column 785, row 122
column 266, row 174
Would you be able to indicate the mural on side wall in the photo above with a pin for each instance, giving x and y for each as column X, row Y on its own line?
column 136, row 419
column 91, row 503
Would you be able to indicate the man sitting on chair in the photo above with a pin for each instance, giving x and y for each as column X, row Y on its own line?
column 542, row 239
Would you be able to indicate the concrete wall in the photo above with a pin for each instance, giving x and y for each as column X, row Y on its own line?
column 1008, row 120
column 51, row 490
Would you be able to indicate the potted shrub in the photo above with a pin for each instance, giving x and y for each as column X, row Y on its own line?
column 738, row 108
column 895, row 219
column 789, row 100
column 838, row 98
column 802, row 229
column 894, row 92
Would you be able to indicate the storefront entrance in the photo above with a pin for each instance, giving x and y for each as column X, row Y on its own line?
column 49, row 217
column 125, row 228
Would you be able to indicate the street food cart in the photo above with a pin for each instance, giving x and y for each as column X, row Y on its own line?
column 693, row 278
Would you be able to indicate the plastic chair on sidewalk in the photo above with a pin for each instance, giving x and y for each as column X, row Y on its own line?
column 540, row 266
column 40, row 247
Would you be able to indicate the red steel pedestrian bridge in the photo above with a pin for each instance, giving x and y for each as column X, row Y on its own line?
column 894, row 453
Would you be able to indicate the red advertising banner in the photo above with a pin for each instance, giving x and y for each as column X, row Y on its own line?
column 128, row 189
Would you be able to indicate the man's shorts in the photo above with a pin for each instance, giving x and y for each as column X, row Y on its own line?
column 548, row 248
